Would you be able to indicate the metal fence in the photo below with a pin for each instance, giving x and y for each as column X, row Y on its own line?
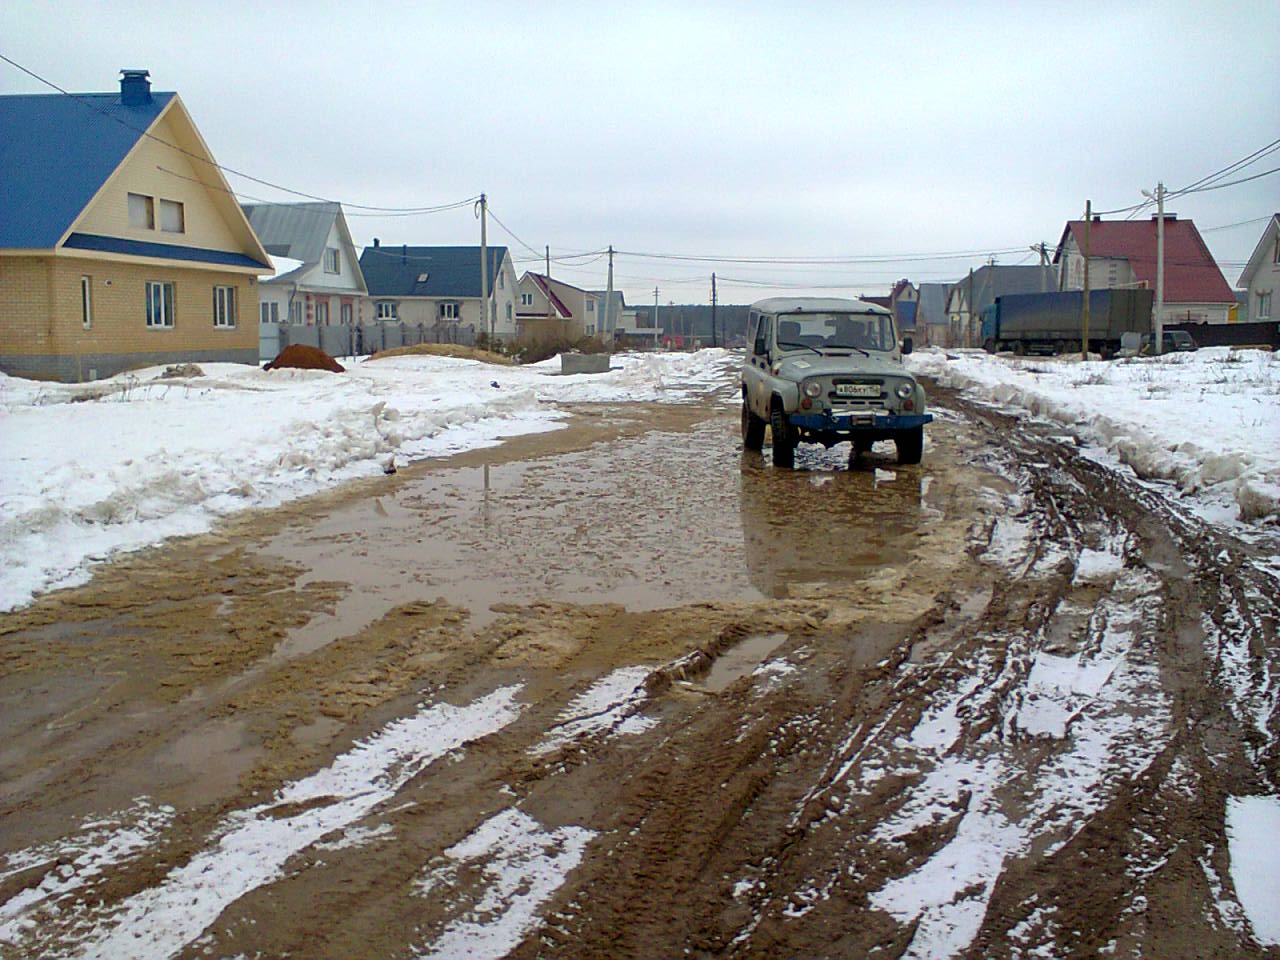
column 358, row 339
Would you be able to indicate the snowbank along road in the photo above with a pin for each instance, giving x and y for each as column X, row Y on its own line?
column 625, row 691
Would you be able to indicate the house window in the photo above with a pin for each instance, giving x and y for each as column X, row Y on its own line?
column 502, row 281
column 386, row 310
column 508, row 311
column 224, row 307
column 295, row 312
column 142, row 211
column 331, row 262
column 526, row 299
column 172, row 217
column 322, row 313
column 591, row 329
column 159, row 304
column 448, row 311
column 591, row 306
column 86, row 302
column 345, row 313
column 1264, row 306
column 270, row 312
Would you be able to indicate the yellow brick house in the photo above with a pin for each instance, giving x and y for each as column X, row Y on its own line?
column 121, row 244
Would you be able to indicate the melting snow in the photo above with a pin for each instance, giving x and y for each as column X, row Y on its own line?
column 1253, row 839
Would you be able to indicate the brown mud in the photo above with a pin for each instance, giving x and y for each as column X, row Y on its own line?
column 797, row 631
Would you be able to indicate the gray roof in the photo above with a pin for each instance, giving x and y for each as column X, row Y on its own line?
column 933, row 303
column 404, row 271
column 990, row 282
column 294, row 230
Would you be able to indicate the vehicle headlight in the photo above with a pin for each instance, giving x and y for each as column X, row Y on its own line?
column 812, row 389
column 904, row 390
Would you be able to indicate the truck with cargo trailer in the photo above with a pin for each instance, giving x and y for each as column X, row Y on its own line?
column 1051, row 323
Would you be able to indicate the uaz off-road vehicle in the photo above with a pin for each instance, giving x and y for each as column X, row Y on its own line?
column 823, row 370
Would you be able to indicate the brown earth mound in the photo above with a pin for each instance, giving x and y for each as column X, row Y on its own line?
column 298, row 356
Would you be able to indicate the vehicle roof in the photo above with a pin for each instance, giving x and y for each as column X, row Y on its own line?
column 816, row 305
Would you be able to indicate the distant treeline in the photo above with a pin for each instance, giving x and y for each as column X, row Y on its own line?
column 694, row 320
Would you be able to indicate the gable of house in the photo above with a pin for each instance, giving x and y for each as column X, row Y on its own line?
column 1191, row 275
column 1266, row 252
column 304, row 233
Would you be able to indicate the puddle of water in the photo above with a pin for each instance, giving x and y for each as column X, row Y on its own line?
column 741, row 659
column 646, row 522
column 216, row 754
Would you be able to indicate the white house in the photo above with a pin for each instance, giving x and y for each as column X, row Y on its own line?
column 1261, row 277
column 318, row 279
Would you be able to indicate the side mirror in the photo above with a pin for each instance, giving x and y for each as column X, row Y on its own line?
column 906, row 345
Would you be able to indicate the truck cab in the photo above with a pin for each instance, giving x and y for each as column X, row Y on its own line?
column 826, row 370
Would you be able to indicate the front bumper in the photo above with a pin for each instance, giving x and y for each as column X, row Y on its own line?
column 854, row 422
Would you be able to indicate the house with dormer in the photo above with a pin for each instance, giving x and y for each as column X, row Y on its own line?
column 317, row 281
column 121, row 243
column 439, row 290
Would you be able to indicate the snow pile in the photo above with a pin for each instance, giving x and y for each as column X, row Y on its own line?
column 1253, row 837
column 609, row 706
column 91, row 469
column 1207, row 421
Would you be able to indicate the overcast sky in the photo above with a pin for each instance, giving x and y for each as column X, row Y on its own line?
column 874, row 131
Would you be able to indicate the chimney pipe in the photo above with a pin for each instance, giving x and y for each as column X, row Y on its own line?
column 375, row 241
column 135, row 88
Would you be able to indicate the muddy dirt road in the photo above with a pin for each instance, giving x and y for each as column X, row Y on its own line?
column 624, row 691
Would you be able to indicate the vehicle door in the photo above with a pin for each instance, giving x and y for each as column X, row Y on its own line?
column 755, row 372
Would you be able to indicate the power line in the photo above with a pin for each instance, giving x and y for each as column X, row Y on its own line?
column 1231, row 168
column 511, row 233
column 1229, row 183
column 376, row 210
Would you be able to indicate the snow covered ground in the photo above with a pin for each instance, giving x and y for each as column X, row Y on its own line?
column 1208, row 422
column 92, row 469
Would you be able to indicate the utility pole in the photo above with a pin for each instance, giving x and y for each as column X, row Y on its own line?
column 548, row 261
column 1084, row 307
column 1158, row 332
column 655, row 316
column 713, row 311
column 608, row 299
column 486, row 322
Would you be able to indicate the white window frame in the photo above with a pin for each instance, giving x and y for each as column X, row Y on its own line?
column 508, row 311
column 168, row 224
column 526, row 299
column 591, row 329
column 332, row 263
column 86, row 301
column 1264, row 305
column 321, row 313
column 160, row 292
column 224, row 307
column 449, row 310
column 591, row 306
column 269, row 311
column 142, row 215
column 386, row 310
column 502, row 280
column 346, row 313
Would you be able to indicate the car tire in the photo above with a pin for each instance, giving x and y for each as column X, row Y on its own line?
column 910, row 444
column 752, row 428
column 784, row 444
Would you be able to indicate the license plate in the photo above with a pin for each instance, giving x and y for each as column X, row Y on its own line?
column 857, row 389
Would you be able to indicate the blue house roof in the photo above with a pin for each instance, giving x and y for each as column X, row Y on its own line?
column 56, row 151
column 399, row 271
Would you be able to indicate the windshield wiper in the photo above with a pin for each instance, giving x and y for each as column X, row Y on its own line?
column 800, row 346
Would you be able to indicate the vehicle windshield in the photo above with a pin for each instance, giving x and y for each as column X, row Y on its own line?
column 827, row 331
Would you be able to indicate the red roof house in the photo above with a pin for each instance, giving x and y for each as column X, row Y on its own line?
column 1122, row 253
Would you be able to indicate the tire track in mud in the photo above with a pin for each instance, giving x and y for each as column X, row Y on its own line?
column 1028, row 754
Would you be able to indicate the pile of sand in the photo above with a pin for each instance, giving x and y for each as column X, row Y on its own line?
column 446, row 350
column 298, row 356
